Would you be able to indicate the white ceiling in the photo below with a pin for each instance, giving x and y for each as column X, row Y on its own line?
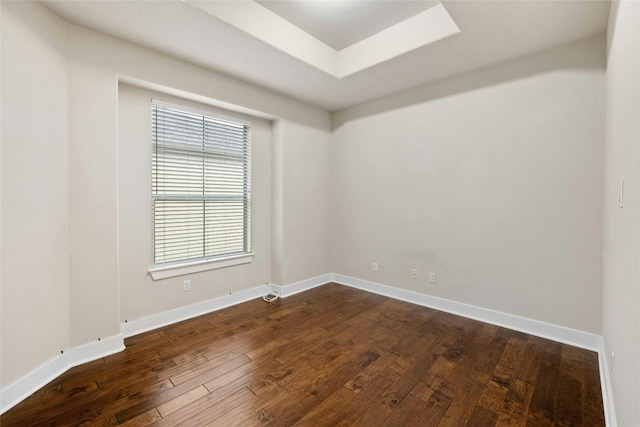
column 490, row 32
column 340, row 23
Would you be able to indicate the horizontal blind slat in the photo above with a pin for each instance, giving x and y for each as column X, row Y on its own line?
column 200, row 186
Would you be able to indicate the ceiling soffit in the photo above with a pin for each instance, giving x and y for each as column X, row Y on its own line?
column 419, row 30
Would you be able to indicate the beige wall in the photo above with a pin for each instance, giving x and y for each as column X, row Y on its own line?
column 621, row 294
column 93, row 228
column 493, row 180
column 139, row 294
column 277, row 200
column 305, row 177
column 83, row 283
column 300, row 221
column 145, row 66
column 34, row 228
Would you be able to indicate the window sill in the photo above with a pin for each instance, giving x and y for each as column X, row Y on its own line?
column 196, row 267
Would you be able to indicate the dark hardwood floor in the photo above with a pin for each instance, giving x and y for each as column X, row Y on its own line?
column 330, row 356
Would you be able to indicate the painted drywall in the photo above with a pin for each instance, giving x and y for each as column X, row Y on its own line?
column 621, row 288
column 69, row 114
column 96, row 75
column 139, row 294
column 305, row 198
column 34, row 227
column 277, row 200
column 493, row 180
column 93, row 231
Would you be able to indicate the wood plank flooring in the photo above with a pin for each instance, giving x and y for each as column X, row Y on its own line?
column 329, row 356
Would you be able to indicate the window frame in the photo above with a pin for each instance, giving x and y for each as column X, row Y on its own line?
column 194, row 265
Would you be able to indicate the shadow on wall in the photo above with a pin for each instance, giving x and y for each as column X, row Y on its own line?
column 577, row 55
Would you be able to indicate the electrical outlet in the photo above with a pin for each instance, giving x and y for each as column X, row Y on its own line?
column 187, row 285
column 432, row 277
column 375, row 266
column 414, row 273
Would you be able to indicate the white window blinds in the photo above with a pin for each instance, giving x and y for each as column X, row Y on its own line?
column 200, row 186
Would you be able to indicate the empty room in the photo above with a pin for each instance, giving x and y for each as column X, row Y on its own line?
column 320, row 212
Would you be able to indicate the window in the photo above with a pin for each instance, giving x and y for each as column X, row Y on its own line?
column 200, row 187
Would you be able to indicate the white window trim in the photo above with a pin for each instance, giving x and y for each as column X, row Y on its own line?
column 173, row 270
column 160, row 271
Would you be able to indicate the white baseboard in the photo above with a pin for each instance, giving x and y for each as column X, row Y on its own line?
column 605, row 382
column 16, row 392
column 561, row 334
column 301, row 286
column 155, row 321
